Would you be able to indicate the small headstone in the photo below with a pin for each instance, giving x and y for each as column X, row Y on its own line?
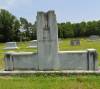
column 75, row 42
column 94, row 37
column 33, row 44
column 10, row 45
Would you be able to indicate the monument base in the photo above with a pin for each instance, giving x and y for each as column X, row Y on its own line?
column 67, row 60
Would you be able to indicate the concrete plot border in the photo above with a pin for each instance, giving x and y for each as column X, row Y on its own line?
column 64, row 72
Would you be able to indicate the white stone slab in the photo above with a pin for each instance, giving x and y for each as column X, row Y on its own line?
column 10, row 45
column 94, row 38
column 81, row 51
column 33, row 44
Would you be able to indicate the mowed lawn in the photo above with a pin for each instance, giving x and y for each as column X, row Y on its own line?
column 50, row 82
column 53, row 81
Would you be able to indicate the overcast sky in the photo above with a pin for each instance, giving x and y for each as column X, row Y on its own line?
column 66, row 10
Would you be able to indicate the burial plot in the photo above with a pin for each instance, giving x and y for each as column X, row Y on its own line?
column 75, row 42
column 48, row 57
column 33, row 44
column 10, row 45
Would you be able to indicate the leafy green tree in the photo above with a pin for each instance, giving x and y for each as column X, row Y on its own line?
column 30, row 29
column 65, row 30
column 9, row 25
column 82, row 29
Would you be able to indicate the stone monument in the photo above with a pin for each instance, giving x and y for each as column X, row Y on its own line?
column 47, row 36
column 48, row 57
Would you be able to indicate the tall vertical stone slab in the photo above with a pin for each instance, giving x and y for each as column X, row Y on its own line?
column 47, row 37
column 92, row 59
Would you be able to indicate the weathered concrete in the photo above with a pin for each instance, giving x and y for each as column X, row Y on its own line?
column 67, row 60
column 48, row 57
column 78, row 60
column 47, row 36
column 61, row 73
column 73, row 60
column 21, row 61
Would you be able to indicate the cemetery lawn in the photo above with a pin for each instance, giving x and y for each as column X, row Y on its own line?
column 50, row 82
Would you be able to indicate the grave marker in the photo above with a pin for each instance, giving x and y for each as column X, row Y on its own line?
column 33, row 44
column 10, row 45
column 75, row 42
column 94, row 38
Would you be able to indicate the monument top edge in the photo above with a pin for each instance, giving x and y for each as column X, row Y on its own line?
column 49, row 11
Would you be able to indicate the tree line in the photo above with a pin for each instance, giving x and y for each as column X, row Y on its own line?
column 82, row 29
column 14, row 29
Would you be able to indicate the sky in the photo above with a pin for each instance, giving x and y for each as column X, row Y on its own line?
column 66, row 10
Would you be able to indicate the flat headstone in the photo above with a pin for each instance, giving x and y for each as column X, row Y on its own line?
column 75, row 42
column 94, row 37
column 33, row 44
column 10, row 45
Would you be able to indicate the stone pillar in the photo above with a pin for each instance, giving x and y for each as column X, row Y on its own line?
column 8, row 61
column 91, row 59
column 47, row 39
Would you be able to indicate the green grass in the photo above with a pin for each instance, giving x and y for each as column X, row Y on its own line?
column 50, row 82
column 55, row 81
column 85, row 44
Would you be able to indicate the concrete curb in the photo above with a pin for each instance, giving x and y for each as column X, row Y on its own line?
column 68, row 72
